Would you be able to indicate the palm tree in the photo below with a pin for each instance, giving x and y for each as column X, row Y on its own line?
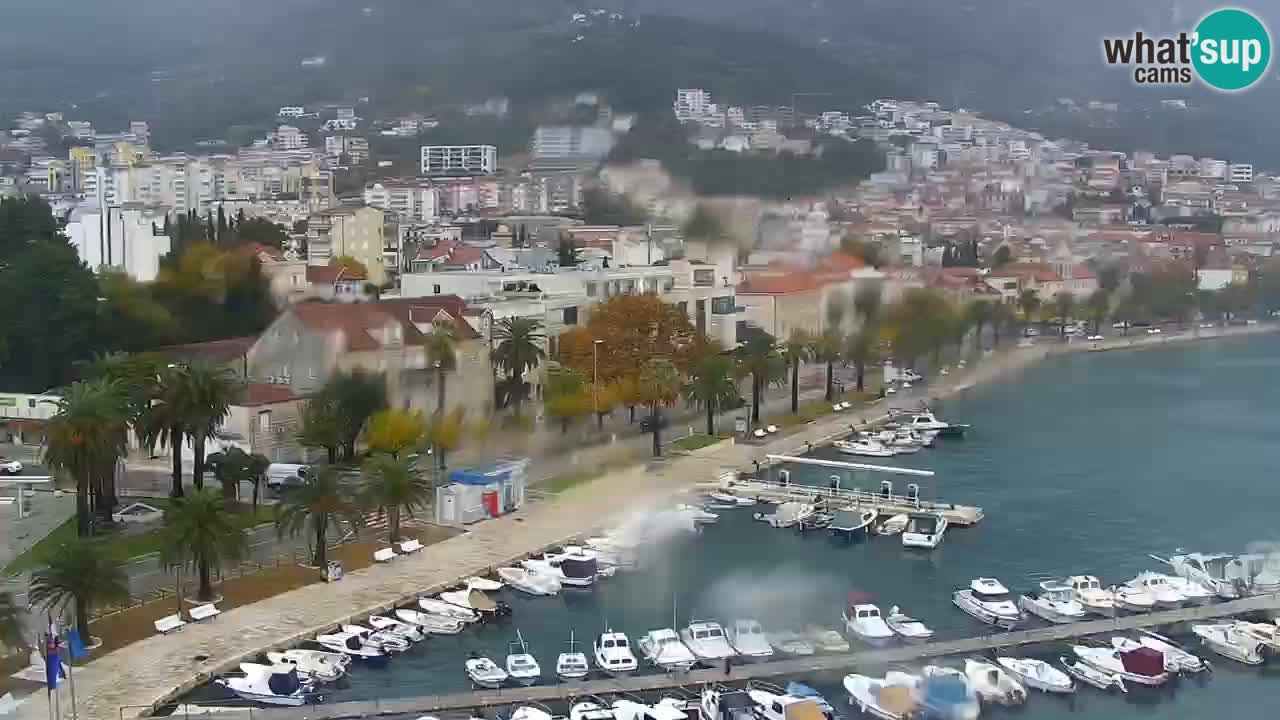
column 200, row 531
column 1029, row 304
column 796, row 350
column 442, row 346
column 235, row 466
column 519, row 349
column 660, row 385
column 82, row 574
column 712, row 387
column 10, row 624
column 164, row 421
column 757, row 357
column 209, row 391
column 826, row 349
column 85, row 439
column 312, row 506
column 393, row 486
column 139, row 376
column 861, row 349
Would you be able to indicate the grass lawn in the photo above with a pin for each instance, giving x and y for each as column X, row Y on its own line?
column 693, row 442
column 122, row 545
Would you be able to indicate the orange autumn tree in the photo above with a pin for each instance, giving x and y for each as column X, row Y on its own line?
column 634, row 330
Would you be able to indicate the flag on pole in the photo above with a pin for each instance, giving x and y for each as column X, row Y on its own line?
column 75, row 644
column 52, row 663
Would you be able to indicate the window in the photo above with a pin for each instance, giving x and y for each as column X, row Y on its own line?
column 684, row 307
column 264, row 420
column 571, row 315
column 704, row 278
column 435, row 289
column 723, row 305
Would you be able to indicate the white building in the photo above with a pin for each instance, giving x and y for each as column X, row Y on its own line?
column 1240, row 173
column 123, row 238
column 459, row 159
column 691, row 103
column 571, row 142
column 411, row 201
column 292, row 111
column 288, row 137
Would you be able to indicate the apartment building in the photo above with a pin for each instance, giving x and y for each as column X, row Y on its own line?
column 459, row 159
column 348, row 232
column 120, row 238
column 406, row 200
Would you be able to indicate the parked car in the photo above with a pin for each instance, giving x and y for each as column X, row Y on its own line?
column 282, row 475
column 10, row 467
column 1153, row 331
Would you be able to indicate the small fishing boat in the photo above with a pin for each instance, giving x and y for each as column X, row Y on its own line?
column 894, row 525
column 885, row 698
column 1089, row 593
column 1229, row 641
column 384, row 639
column 663, row 648
column 529, row 582
column 863, row 620
column 790, row 642
column 264, row 684
column 1133, row 599
column 1176, row 660
column 318, row 665
column 485, row 673
column 613, row 653
column 786, row 515
column 826, row 640
column 707, row 641
column 521, row 666
column 906, row 626
column 1092, row 676
column 721, row 703
column 1165, row 595
column 852, row 523
column 625, row 709
column 864, row 448
column 1054, row 602
column 572, row 665
column 431, row 623
column 1141, row 665
column 731, row 499
column 993, row 683
column 484, row 584
column 353, row 646
column 987, row 600
column 436, row 606
column 926, row 421
column 924, row 530
column 1038, row 675
column 473, row 599
column 747, row 638
column 408, row 631
column 590, row 710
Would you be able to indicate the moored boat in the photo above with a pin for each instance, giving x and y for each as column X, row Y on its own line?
column 906, row 626
column 1133, row 599
column 1141, row 665
column 430, row 623
column 1089, row 593
column 864, row 447
column 572, row 665
column 522, row 667
column 268, row 685
column 484, row 672
column 613, row 654
column 924, row 530
column 386, row 640
column 707, row 642
column 408, row 631
column 790, row 642
column 884, row 698
column 987, row 600
column 436, row 606
column 318, row 665
column 529, row 582
column 1162, row 592
column 852, row 523
column 826, row 639
column 864, row 621
column 1229, row 641
column 353, row 646
column 1092, row 676
column 894, row 525
column 993, row 683
column 747, row 638
column 1038, row 675
column 1054, row 602
column 663, row 648
column 1176, row 660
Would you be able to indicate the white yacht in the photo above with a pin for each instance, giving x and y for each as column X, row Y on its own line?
column 908, row 627
column 521, row 666
column 524, row 712
column 264, row 684
column 1194, row 592
column 1133, row 599
column 318, row 665
column 613, row 653
column 1142, row 665
column 748, row 639
column 1089, row 593
column 926, row 421
column 1211, row 570
column 1054, row 602
column 662, row 648
column 707, row 642
column 1176, row 660
column 790, row 642
column 530, row 582
column 864, row 621
column 632, row 710
column 485, row 673
column 571, row 572
column 436, row 606
column 924, row 530
column 864, row 447
column 572, row 665
column 1165, row 595
column 884, row 698
column 408, row 631
column 993, row 683
column 1038, row 675
column 1232, row 642
column 430, row 623
column 384, row 639
column 988, row 600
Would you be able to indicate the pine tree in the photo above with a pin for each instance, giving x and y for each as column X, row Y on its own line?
column 222, row 226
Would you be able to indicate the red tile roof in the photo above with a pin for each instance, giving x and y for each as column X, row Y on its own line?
column 328, row 275
column 214, row 351
column 357, row 322
column 424, row 310
column 252, row 394
column 792, row 282
column 464, row 255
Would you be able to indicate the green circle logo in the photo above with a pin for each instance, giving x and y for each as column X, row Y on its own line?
column 1232, row 49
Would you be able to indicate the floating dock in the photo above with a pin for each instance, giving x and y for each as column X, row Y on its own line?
column 436, row 704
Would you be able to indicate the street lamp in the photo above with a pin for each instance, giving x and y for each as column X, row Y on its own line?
column 595, row 373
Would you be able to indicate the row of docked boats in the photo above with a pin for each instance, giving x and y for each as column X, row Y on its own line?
column 921, row 530
column 905, row 434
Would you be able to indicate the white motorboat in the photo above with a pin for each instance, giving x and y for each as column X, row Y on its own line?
column 1092, row 676
column 993, row 683
column 572, row 665
column 906, row 626
column 632, row 710
column 731, row 499
column 484, row 584
column 1054, row 602
column 881, row 697
column 1266, row 633
column 702, row 516
column 485, row 673
column 791, row 643
column 864, row 447
column 571, row 572
column 894, row 525
column 353, row 646
column 524, row 712
column 1038, row 674
column 850, row 523
column 826, row 640
column 1230, row 641
column 430, row 623
column 1176, row 660
column 1142, row 665
column 590, row 710
column 408, row 631
column 1194, row 592
column 268, row 687
column 1089, row 593
column 385, row 639
column 864, row 621
column 748, row 639
column 947, row 693
column 722, row 703
column 1157, row 585
column 522, row 667
column 663, row 648
column 787, row 514
column 707, row 642
column 436, row 606
column 926, row 421
column 529, row 582
column 319, row 665
column 924, row 530
column 987, row 600
column 1211, row 570
column 1133, row 599
column 606, row 564
column 473, row 599
column 613, row 653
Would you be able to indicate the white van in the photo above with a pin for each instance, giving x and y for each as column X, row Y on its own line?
column 282, row 475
